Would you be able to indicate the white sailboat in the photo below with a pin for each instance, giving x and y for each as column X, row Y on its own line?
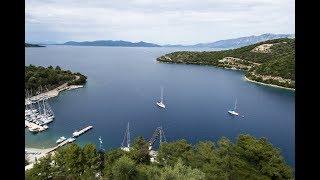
column 126, row 138
column 233, row 112
column 100, row 143
column 160, row 103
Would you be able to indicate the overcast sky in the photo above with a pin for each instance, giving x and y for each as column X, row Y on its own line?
column 156, row 21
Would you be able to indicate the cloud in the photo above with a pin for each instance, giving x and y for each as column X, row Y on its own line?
column 160, row 21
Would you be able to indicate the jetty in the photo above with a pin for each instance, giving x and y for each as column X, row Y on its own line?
column 70, row 139
column 78, row 133
column 67, row 141
column 34, row 154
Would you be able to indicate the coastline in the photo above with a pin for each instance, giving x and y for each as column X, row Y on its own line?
column 235, row 69
column 53, row 93
column 272, row 85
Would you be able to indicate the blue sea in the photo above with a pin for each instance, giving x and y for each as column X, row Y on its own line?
column 124, row 84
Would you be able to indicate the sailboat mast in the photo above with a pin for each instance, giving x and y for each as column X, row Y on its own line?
column 39, row 108
column 161, row 94
column 128, row 136
column 44, row 108
column 235, row 105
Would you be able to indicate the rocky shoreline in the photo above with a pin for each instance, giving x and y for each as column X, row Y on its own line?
column 272, row 85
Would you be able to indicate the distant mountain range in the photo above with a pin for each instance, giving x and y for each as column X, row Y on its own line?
column 243, row 41
column 228, row 43
column 111, row 43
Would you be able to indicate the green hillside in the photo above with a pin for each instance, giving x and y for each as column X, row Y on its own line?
column 50, row 78
column 273, row 65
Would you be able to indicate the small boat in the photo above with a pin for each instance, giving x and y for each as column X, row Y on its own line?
column 71, row 140
column 233, row 112
column 75, row 133
column 34, row 130
column 160, row 103
column 61, row 139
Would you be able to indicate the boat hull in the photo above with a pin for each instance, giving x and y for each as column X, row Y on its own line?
column 160, row 104
column 233, row 113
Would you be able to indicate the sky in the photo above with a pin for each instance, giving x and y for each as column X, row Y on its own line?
column 156, row 21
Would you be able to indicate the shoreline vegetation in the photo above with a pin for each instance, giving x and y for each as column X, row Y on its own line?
column 267, row 63
column 48, row 82
column 246, row 158
column 265, row 84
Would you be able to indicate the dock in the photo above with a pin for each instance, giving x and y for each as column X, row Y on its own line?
column 78, row 133
column 67, row 141
column 70, row 139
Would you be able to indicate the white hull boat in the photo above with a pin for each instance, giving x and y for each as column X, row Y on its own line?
column 160, row 103
column 61, row 139
column 233, row 112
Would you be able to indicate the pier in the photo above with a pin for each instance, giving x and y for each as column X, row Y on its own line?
column 78, row 133
column 38, row 153
column 70, row 139
column 67, row 141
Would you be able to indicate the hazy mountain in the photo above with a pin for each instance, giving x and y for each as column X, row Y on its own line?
column 228, row 43
column 111, row 43
column 243, row 41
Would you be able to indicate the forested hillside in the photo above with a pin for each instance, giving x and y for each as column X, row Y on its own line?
column 50, row 78
column 248, row 158
column 270, row 61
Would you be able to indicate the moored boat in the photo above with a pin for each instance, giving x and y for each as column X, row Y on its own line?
column 61, row 139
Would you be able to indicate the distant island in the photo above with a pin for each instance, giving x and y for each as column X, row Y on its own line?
column 32, row 45
column 39, row 79
column 228, row 43
column 270, row 62
column 111, row 43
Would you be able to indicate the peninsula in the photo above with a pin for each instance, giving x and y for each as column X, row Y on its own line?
column 32, row 45
column 270, row 62
column 41, row 81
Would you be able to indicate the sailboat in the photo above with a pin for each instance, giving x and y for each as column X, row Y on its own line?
column 160, row 103
column 100, row 143
column 233, row 112
column 126, row 137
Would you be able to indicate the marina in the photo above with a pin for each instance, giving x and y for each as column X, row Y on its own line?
column 37, row 115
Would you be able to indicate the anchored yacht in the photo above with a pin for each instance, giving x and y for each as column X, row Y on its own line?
column 233, row 112
column 160, row 103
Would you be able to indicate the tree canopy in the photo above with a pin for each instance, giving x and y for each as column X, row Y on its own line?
column 278, row 62
column 50, row 78
column 246, row 158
